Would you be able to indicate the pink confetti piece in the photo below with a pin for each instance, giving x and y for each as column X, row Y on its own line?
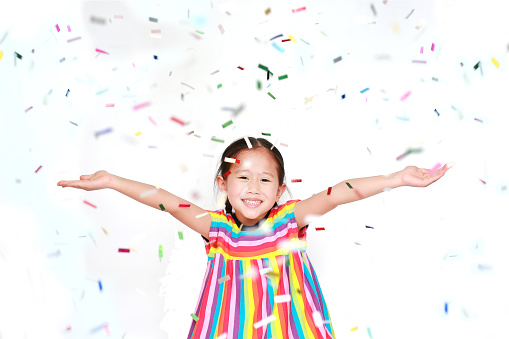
column 437, row 166
column 68, row 28
column 101, row 51
column 478, row 120
column 58, row 28
column 419, row 61
column 152, row 120
column 484, row 182
column 142, row 105
column 422, row 49
column 178, row 121
column 124, row 250
column 298, row 9
column 29, row 108
column 110, row 105
column 89, row 204
column 107, row 329
column 73, row 39
column 406, row 95
column 37, row 170
column 117, row 16
column 432, row 47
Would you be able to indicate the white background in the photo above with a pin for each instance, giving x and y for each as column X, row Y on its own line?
column 429, row 246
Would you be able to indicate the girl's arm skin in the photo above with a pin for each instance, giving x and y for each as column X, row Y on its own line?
column 134, row 189
column 322, row 203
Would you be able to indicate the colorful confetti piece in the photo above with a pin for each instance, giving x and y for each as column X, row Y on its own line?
column 181, row 235
column 89, row 204
column 101, row 51
column 110, row 105
column 227, row 173
column 228, row 123
column 349, row 186
column 66, row 94
column 296, row 180
column 194, row 317
column 184, row 205
column 232, row 160
column 298, row 9
column 329, row 190
column 223, row 279
column 476, row 66
column 124, row 250
column 240, row 68
column 339, row 58
column 283, row 77
column 58, row 28
column 37, row 170
column 160, row 251
column 365, row 89
column 142, row 105
column 178, row 121
column 104, row 131
column 248, row 143
column 271, row 95
column 215, row 139
column 100, row 286
column 152, row 19
column 161, row 207
column 406, row 95
column 369, row 226
column 495, row 62
column 354, row 328
column 320, row 228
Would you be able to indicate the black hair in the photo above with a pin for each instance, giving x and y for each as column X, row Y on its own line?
column 240, row 145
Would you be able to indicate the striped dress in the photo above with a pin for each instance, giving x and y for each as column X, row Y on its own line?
column 259, row 283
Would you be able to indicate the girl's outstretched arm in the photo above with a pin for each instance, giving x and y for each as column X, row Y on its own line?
column 160, row 199
column 357, row 189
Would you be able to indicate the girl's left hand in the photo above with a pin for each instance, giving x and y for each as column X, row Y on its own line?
column 420, row 177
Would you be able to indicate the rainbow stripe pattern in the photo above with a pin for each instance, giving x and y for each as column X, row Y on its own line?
column 260, row 283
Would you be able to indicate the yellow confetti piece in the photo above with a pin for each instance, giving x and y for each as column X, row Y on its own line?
column 1, row 55
column 292, row 38
column 104, row 231
column 355, row 328
column 137, row 133
column 495, row 62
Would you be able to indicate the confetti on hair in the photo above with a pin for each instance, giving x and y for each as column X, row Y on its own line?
column 215, row 139
column 495, row 62
column 228, row 123
column 248, row 143
column 142, row 105
column 223, row 279
column 184, row 205
column 354, row 328
column 320, row 228
column 161, row 207
column 227, row 173
column 194, row 317
column 406, row 95
column 181, row 235
column 365, row 90
column 329, row 190
column 202, row 215
column 232, row 160
column 283, row 77
column 271, row 95
column 86, row 202
column 296, row 180
column 298, row 9
column 101, row 51
column 264, row 321
column 178, row 121
column 124, row 250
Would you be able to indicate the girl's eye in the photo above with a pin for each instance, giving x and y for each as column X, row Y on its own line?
column 243, row 177
column 266, row 180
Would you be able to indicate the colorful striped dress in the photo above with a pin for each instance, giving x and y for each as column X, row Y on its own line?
column 259, row 283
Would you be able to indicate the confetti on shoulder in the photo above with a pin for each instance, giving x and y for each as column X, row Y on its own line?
column 202, row 215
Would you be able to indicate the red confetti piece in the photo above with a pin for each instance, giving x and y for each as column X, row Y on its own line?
column 478, row 119
column 145, row 104
column 484, row 182
column 329, row 190
column 29, row 108
column 124, row 250
column 285, row 40
column 240, row 68
column 101, row 51
column 298, row 9
column 86, row 202
column 320, row 228
column 184, row 205
column 58, row 28
column 110, row 105
column 178, row 121
column 189, row 133
column 37, row 170
column 296, row 180
column 107, row 329
column 227, row 174
column 406, row 95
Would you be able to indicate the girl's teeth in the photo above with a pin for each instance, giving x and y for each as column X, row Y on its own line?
column 253, row 202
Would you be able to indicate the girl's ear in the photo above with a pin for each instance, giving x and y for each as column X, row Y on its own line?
column 221, row 183
column 280, row 191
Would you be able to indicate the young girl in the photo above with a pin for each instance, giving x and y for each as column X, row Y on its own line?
column 259, row 281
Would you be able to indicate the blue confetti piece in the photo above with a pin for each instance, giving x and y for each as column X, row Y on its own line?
column 104, row 131
column 279, row 48
column 68, row 90
column 277, row 36
column 369, row 227
column 365, row 89
column 100, row 286
column 343, row 96
column 437, row 112
column 445, row 307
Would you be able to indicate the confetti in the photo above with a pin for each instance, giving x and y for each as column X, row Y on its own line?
column 298, row 9
column 105, row 232
column 296, row 180
column 155, row 57
column 283, row 144
column 373, row 9
column 365, row 89
column 162, row 207
column 160, row 251
column 283, row 298
column 232, row 160
column 283, row 77
column 434, row 79
column 101, row 51
column 29, row 108
column 248, row 143
column 476, row 66
column 406, row 95
column 227, row 173
column 177, row 121
column 271, row 95
column 408, row 16
column 137, row 133
column 184, row 205
column 259, row 84
column 343, row 96
column 438, row 114
column 266, row 134
column 104, row 131
column 202, row 215
column 445, row 307
column 107, row 329
column 86, row 202
column 124, row 250
column 152, row 19
column 354, row 328
column 484, row 182
column 223, row 279
column 200, row 32
column 194, row 317
column 181, row 235
column 349, row 186
column 419, row 61
column 100, row 286
column 37, row 170
column 1, row 55
column 422, row 50
column 320, row 228
column 264, row 321
column 19, row 56
column 432, row 46
column 240, row 68
column 277, row 36
column 495, row 62
column 58, row 28
column 263, row 67
column 420, row 24
column 369, row 226
column 110, row 105
column 142, row 105
column 285, row 40
column 279, row 48
column 66, row 94
column 97, row 20
column 329, row 190
column 228, row 123
column 221, row 29
column 215, row 139
column 339, row 58
column 267, row 11
column 478, row 120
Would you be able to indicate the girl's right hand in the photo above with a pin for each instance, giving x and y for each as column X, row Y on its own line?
column 96, row 181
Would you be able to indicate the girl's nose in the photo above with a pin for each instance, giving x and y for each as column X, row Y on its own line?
column 253, row 187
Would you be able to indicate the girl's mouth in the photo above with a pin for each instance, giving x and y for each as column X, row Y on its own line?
column 252, row 203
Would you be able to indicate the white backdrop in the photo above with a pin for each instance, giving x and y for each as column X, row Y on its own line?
column 436, row 79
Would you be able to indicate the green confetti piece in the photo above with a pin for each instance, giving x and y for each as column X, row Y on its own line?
column 160, row 251
column 181, row 236
column 263, row 67
column 271, row 95
column 161, row 206
column 477, row 65
column 226, row 124
column 349, row 185
column 259, row 84
column 369, row 333
column 200, row 32
column 194, row 317
column 215, row 139
column 18, row 55
column 220, row 85
column 267, row 134
column 182, row 96
column 283, row 77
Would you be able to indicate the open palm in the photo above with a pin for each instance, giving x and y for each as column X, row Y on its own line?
column 420, row 177
column 98, row 180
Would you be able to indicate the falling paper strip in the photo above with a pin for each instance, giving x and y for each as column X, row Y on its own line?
column 264, row 321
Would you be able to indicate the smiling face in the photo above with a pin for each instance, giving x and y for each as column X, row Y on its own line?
column 253, row 185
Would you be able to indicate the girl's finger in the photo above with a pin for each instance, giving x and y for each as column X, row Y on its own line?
column 85, row 177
